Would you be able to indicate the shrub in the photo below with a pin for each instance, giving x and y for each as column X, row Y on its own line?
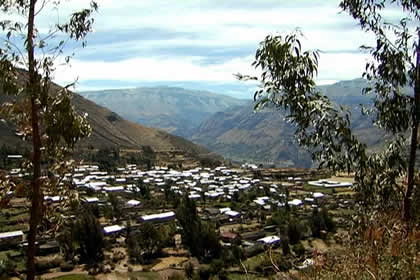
column 7, row 267
column 189, row 270
column 89, row 236
column 176, row 276
column 321, row 221
column 45, row 265
column 294, row 231
column 66, row 266
column 299, row 249
column 284, row 243
column 284, row 263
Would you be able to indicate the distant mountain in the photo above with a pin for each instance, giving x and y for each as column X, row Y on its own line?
column 242, row 135
column 264, row 136
column 175, row 110
column 109, row 129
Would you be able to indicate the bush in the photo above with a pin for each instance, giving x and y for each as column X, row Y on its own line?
column 176, row 276
column 146, row 242
column 299, row 249
column 66, row 266
column 294, row 231
column 189, row 270
column 216, row 266
column 45, row 265
column 89, row 236
column 284, row 243
column 205, row 273
column 7, row 267
column 284, row 264
column 321, row 221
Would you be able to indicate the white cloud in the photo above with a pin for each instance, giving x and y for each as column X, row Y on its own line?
column 152, row 69
column 223, row 26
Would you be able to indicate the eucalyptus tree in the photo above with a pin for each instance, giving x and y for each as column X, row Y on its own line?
column 41, row 111
column 287, row 81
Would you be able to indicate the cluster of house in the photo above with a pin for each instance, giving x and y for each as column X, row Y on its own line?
column 220, row 183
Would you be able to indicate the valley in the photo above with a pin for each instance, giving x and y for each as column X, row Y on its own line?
column 254, row 210
column 229, row 126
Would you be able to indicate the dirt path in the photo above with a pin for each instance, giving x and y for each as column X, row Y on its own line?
column 56, row 274
column 168, row 262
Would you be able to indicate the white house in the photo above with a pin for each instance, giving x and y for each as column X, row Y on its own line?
column 269, row 240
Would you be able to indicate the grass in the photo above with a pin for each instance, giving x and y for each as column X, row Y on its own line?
column 342, row 212
column 309, row 188
column 75, row 277
column 3, row 254
column 7, row 228
column 129, row 275
column 254, row 262
column 143, row 275
column 237, row 276
column 19, row 262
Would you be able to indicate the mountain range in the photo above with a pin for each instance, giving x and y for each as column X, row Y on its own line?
column 110, row 130
column 229, row 126
column 176, row 110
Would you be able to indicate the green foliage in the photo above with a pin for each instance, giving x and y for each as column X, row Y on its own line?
column 66, row 241
column 209, row 162
column 324, row 128
column 148, row 156
column 279, row 217
column 217, row 268
column 416, row 202
column 299, row 249
column 321, row 220
column 89, row 236
column 284, row 243
column 176, row 276
column 7, row 267
column 294, row 231
column 108, row 158
column 40, row 111
column 189, row 270
column 199, row 237
column 146, row 242
column 116, row 208
column 144, row 190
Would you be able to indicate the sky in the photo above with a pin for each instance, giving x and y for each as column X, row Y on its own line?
column 201, row 44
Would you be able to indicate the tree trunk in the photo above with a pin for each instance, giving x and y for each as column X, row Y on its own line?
column 35, row 195
column 413, row 145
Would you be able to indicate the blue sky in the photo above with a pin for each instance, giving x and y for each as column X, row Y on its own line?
column 202, row 43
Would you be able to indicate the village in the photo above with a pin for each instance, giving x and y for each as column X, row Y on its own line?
column 252, row 211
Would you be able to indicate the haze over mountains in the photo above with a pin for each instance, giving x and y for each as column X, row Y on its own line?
column 176, row 110
column 229, row 126
column 109, row 129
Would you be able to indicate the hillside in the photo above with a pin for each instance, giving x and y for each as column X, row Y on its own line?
column 264, row 136
column 109, row 129
column 240, row 134
column 175, row 110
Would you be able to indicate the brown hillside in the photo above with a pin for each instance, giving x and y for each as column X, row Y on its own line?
column 109, row 129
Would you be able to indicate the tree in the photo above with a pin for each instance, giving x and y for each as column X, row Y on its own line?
column 200, row 238
column 89, row 236
column 146, row 242
column 116, row 209
column 321, row 221
column 396, row 64
column 287, row 82
column 41, row 111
